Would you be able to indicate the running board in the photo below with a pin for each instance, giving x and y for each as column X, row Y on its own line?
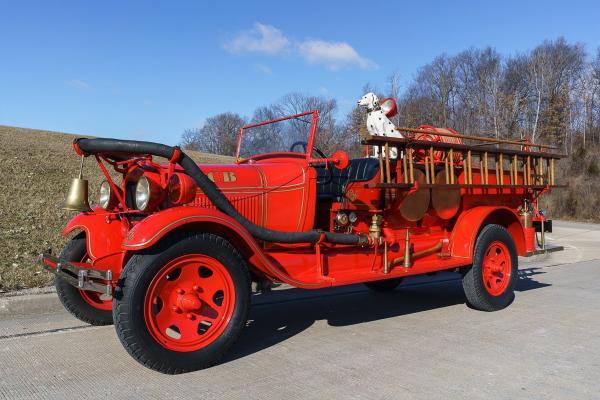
column 548, row 249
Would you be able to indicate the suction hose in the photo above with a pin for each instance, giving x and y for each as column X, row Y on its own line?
column 127, row 147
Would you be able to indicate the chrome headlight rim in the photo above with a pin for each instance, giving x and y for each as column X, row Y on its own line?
column 142, row 194
column 105, row 198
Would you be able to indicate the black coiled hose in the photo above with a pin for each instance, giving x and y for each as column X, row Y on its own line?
column 126, row 147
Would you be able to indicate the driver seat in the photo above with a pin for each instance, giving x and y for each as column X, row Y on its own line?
column 332, row 182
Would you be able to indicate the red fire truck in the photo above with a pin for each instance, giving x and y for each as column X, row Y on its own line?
column 170, row 252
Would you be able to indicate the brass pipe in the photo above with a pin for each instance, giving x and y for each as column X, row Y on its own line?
column 432, row 163
column 552, row 171
column 427, row 169
column 381, row 171
column 543, row 235
column 469, row 168
column 410, row 165
column 478, row 138
column 501, row 169
column 497, row 165
column 418, row 254
column 516, row 163
column 451, row 156
column 407, row 259
column 512, row 172
column 485, row 167
column 405, row 171
column 447, row 170
column 386, row 264
column 387, row 164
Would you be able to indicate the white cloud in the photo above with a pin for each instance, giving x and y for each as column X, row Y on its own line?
column 261, row 38
column 333, row 55
column 79, row 84
column 265, row 69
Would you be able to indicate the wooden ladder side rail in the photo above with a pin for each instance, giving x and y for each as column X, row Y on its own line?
column 478, row 138
column 408, row 186
column 403, row 143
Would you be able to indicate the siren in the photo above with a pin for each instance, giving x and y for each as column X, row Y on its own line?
column 389, row 107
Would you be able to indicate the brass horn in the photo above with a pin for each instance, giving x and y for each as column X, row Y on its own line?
column 77, row 199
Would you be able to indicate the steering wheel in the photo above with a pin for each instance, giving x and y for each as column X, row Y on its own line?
column 304, row 146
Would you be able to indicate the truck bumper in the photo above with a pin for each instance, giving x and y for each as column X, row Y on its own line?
column 81, row 278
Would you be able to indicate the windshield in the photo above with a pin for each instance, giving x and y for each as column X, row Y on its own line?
column 287, row 135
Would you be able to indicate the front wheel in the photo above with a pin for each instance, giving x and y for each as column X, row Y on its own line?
column 90, row 307
column 490, row 282
column 180, row 305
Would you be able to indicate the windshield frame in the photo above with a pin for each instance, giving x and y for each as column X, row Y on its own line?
column 309, row 147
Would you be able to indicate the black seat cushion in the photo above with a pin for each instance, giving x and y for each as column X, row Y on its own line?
column 331, row 182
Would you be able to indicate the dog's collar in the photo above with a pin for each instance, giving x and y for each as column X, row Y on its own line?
column 374, row 109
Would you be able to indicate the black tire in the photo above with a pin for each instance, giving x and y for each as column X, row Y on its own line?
column 135, row 280
column 70, row 296
column 474, row 286
column 386, row 285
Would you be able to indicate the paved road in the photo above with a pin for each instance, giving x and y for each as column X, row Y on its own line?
column 419, row 342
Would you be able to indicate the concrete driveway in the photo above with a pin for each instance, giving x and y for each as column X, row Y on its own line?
column 420, row 341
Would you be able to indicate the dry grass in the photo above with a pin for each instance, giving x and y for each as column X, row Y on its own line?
column 36, row 168
column 579, row 201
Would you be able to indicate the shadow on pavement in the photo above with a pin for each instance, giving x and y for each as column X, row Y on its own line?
column 282, row 314
column 527, row 282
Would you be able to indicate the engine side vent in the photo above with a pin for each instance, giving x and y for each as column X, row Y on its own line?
column 250, row 206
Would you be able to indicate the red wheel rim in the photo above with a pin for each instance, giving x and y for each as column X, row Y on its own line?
column 189, row 303
column 95, row 299
column 497, row 268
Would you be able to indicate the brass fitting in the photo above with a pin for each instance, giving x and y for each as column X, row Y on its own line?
column 526, row 215
column 375, row 228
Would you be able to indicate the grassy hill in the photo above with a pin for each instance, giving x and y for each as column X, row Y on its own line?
column 36, row 168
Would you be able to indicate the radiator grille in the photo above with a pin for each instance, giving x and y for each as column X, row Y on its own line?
column 249, row 205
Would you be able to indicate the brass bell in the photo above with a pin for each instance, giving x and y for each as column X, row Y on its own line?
column 77, row 199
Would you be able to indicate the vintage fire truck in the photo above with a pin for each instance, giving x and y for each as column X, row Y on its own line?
column 170, row 252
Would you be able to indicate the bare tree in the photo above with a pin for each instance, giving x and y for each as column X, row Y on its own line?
column 393, row 82
column 218, row 135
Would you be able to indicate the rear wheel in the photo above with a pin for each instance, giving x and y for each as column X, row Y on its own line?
column 386, row 285
column 90, row 307
column 180, row 305
column 490, row 282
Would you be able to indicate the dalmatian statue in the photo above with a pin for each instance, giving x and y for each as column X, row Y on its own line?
column 378, row 124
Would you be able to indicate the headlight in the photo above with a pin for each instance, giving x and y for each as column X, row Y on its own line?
column 142, row 194
column 106, row 195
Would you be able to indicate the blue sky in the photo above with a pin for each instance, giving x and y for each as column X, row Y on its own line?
column 149, row 70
